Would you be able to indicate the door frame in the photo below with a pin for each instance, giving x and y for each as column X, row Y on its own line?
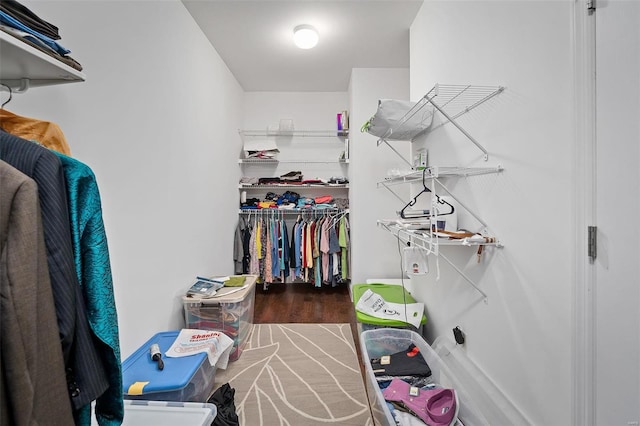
column 584, row 318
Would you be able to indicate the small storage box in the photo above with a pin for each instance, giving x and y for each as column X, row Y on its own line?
column 157, row 413
column 230, row 313
column 188, row 378
column 391, row 293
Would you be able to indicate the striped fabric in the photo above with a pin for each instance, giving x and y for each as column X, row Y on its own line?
column 86, row 375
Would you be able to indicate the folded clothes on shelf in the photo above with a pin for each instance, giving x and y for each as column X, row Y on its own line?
column 338, row 180
column 292, row 176
column 323, row 199
column 246, row 180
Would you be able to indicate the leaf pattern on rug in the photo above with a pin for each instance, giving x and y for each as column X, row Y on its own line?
column 298, row 374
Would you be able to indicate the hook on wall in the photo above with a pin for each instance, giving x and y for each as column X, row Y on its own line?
column 24, row 85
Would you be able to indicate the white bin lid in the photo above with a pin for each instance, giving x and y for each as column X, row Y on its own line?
column 161, row 413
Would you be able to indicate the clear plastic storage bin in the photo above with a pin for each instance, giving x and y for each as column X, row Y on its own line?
column 231, row 314
column 476, row 405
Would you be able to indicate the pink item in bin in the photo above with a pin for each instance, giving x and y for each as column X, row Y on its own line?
column 436, row 407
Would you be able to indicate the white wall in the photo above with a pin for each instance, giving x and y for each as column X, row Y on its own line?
column 157, row 122
column 309, row 111
column 521, row 338
column 375, row 254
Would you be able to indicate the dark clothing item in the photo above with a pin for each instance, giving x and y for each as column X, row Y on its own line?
column 409, row 362
column 32, row 380
column 269, row 180
column 223, row 399
column 30, row 19
column 86, row 375
column 10, row 21
column 246, row 257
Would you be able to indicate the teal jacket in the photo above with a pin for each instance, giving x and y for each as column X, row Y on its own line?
column 91, row 255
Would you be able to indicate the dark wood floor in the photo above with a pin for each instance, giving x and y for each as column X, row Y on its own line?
column 304, row 303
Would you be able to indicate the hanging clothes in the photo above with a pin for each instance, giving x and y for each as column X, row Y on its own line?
column 334, row 249
column 317, row 280
column 86, row 373
column 267, row 271
column 93, row 269
column 254, row 261
column 246, row 258
column 259, row 247
column 284, row 259
column 43, row 132
column 33, row 387
column 298, row 238
column 309, row 253
column 241, row 247
column 343, row 241
column 274, row 228
column 324, row 247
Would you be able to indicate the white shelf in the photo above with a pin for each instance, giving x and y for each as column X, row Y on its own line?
column 294, row 211
column 25, row 66
column 450, row 100
column 439, row 171
column 297, row 133
column 268, row 161
column 430, row 242
column 289, row 185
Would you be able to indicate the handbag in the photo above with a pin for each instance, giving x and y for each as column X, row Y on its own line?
column 398, row 120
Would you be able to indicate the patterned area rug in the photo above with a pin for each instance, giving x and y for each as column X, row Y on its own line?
column 298, row 375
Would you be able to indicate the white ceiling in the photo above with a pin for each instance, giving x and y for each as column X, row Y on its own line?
column 255, row 39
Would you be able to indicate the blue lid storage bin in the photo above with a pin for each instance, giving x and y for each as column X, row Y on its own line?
column 188, row 378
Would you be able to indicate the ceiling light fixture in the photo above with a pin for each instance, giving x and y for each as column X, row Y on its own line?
column 305, row 36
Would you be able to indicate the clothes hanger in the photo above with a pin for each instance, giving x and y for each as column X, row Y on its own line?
column 423, row 213
column 10, row 95
column 337, row 217
column 442, row 201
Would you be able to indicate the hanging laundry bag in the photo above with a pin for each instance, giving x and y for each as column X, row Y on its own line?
column 399, row 120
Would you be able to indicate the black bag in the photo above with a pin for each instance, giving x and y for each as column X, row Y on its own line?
column 223, row 399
